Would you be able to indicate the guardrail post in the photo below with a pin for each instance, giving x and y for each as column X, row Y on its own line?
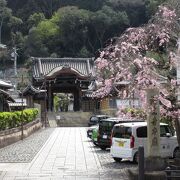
column 141, row 163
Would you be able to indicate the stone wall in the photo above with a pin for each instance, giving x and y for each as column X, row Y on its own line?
column 71, row 119
column 10, row 136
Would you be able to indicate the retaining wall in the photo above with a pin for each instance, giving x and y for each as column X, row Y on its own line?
column 10, row 136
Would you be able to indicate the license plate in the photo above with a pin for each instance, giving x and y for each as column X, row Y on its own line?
column 104, row 136
column 121, row 144
column 90, row 133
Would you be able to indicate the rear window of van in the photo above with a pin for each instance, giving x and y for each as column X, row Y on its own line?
column 122, row 132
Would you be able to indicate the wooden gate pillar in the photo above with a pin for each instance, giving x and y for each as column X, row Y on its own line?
column 76, row 100
column 49, row 96
column 30, row 102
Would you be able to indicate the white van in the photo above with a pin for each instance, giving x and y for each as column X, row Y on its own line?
column 127, row 137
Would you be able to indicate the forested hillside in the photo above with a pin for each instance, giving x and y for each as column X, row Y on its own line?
column 67, row 28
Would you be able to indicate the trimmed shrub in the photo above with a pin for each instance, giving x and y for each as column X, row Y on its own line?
column 14, row 119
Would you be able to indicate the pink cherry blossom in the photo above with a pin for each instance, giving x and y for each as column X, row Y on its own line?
column 127, row 60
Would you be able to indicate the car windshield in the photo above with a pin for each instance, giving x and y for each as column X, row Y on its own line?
column 122, row 132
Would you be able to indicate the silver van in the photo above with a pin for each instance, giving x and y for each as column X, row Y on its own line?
column 127, row 137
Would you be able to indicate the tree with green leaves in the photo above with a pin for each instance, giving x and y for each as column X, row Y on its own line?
column 74, row 32
column 106, row 23
column 5, row 13
column 35, row 19
column 135, row 10
column 72, row 24
column 70, row 28
column 152, row 6
column 41, row 36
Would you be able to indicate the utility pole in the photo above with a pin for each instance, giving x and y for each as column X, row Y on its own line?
column 22, row 104
column 14, row 58
column 45, row 104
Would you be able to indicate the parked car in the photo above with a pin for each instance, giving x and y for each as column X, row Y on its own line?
column 127, row 137
column 105, row 128
column 90, row 130
column 96, row 118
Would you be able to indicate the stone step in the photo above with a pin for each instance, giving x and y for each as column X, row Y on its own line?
column 69, row 119
column 52, row 123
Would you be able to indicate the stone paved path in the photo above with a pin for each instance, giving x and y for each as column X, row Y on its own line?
column 67, row 154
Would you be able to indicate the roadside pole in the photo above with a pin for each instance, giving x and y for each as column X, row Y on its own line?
column 22, row 131
column 141, row 163
column 14, row 58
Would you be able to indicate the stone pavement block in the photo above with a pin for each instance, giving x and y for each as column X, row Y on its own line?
column 15, row 173
column 35, row 170
column 56, row 173
column 2, row 175
column 69, row 167
column 87, row 178
column 46, row 172
column 81, row 168
column 33, row 178
column 69, row 178
column 47, row 165
column 69, row 174
column 40, row 173
column 57, row 178
column 93, row 176
column 46, row 168
column 9, row 178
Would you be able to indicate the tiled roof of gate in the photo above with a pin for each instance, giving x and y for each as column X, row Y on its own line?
column 31, row 90
column 4, row 84
column 43, row 66
column 6, row 95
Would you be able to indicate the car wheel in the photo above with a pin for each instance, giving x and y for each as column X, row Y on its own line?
column 136, row 158
column 103, row 147
column 176, row 153
column 95, row 143
column 117, row 159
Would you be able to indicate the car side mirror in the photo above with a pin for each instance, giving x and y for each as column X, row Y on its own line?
column 168, row 135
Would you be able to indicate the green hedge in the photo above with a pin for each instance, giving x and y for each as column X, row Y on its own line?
column 14, row 119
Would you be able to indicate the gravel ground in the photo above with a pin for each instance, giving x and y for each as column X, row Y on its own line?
column 110, row 168
column 25, row 150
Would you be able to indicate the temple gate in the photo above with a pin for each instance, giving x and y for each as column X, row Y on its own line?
column 63, row 75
